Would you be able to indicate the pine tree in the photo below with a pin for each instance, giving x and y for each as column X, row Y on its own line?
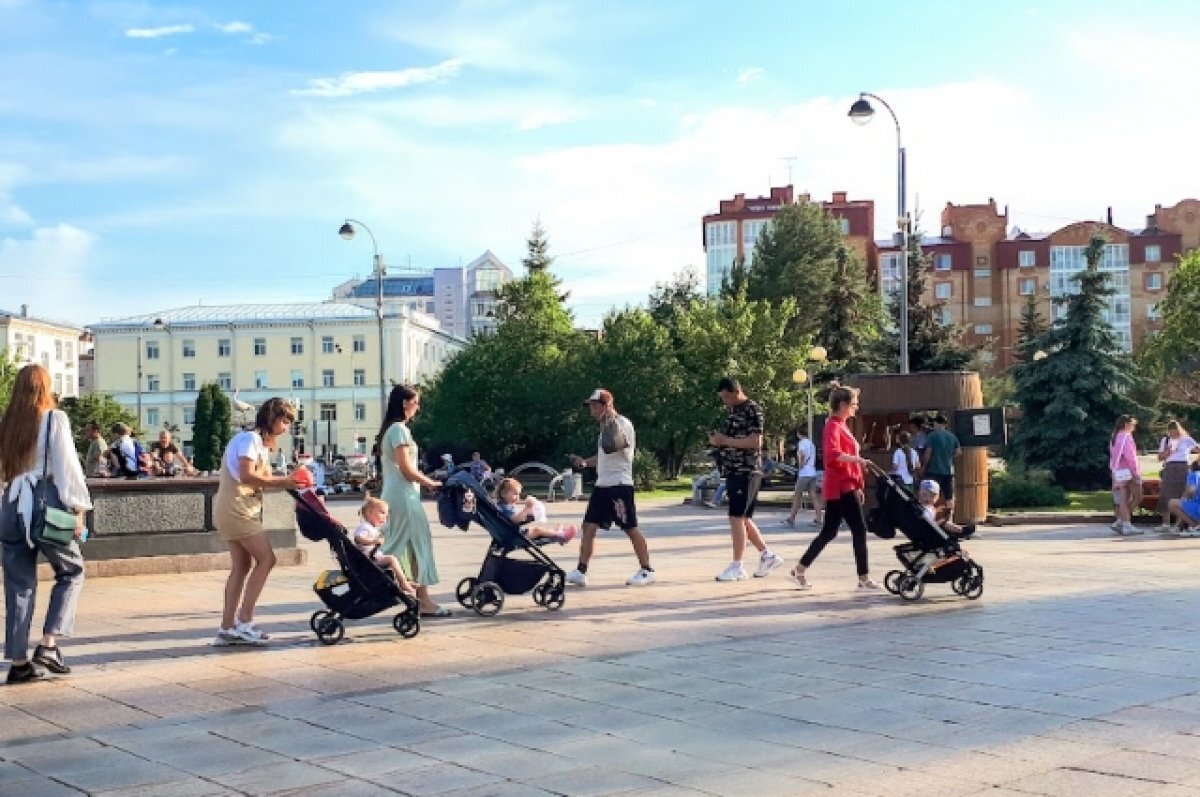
column 1071, row 397
column 1033, row 325
column 537, row 256
column 853, row 317
column 203, row 456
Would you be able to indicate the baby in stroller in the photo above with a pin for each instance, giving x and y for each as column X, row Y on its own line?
column 530, row 510
column 927, row 495
column 368, row 538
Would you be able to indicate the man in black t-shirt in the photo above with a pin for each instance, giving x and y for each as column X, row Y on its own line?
column 738, row 445
column 168, row 466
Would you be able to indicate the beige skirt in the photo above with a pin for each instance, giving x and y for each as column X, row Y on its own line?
column 237, row 510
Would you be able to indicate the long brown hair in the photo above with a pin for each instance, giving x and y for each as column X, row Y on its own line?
column 19, row 428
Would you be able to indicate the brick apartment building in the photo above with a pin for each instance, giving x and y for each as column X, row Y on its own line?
column 983, row 269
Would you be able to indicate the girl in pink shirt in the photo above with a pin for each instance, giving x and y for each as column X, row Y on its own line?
column 1126, row 478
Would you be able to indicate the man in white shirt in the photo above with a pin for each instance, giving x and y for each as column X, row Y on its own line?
column 612, row 497
column 807, row 479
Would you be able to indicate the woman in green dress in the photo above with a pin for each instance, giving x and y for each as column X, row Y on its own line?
column 407, row 535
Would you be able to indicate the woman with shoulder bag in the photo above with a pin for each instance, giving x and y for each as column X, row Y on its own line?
column 1126, row 476
column 41, row 474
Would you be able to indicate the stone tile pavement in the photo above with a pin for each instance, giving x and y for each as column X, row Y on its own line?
column 1074, row 674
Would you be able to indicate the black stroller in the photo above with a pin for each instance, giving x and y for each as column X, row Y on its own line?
column 359, row 589
column 462, row 501
column 930, row 557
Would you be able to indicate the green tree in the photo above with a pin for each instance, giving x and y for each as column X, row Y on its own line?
column 8, row 375
column 1032, row 326
column 1070, row 398
column 853, row 318
column 1170, row 359
column 99, row 407
column 212, row 428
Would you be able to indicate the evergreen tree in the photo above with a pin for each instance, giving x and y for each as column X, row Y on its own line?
column 1071, row 397
column 212, row 428
column 853, row 318
column 537, row 256
column 1033, row 325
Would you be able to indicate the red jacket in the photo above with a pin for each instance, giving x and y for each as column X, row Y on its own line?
column 840, row 477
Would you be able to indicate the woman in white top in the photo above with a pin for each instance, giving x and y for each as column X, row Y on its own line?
column 34, row 434
column 1173, row 452
column 237, row 514
column 905, row 461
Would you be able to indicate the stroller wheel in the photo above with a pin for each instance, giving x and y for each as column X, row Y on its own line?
column 555, row 599
column 911, row 589
column 330, row 630
column 488, row 599
column 316, row 619
column 539, row 594
column 407, row 625
column 973, row 583
column 466, row 592
column 891, row 581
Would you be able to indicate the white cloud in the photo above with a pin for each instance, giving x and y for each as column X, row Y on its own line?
column 159, row 32
column 234, row 28
column 59, row 256
column 750, row 74
column 351, row 83
column 542, row 118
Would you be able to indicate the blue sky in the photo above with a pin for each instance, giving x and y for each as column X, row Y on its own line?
column 154, row 155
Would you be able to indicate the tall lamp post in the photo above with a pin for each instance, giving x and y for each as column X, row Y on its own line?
column 158, row 325
column 377, row 271
column 817, row 355
column 861, row 112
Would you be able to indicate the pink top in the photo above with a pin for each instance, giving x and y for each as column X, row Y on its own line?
column 1123, row 454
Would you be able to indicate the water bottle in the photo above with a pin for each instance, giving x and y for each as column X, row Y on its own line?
column 83, row 537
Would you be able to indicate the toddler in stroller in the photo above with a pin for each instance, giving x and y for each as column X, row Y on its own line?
column 931, row 556
column 359, row 588
column 530, row 510
column 463, row 501
column 374, row 514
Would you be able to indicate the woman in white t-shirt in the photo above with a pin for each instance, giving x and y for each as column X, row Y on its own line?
column 1173, row 452
column 237, row 514
column 905, row 461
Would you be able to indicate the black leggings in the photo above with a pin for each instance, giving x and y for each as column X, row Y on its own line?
column 847, row 508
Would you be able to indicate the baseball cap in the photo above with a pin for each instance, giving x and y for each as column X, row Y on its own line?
column 930, row 486
column 601, row 395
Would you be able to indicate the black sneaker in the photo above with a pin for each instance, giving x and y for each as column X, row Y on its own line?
column 51, row 659
column 24, row 673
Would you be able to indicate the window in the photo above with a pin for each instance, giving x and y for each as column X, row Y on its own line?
column 327, row 377
column 983, row 301
column 1153, row 253
column 329, row 412
column 942, row 262
column 1152, row 311
column 189, row 415
column 260, row 379
column 297, row 345
column 945, row 317
column 943, row 290
column 70, row 385
column 981, row 260
column 429, row 308
column 46, row 360
column 70, row 347
column 1027, row 286
column 82, row 382
column 152, row 416
column 224, row 346
column 360, row 377
column 1027, row 258
column 844, row 226
column 360, row 412
column 152, row 350
column 58, row 351
column 326, row 345
column 152, row 383
column 1154, row 282
column 189, row 381
column 189, row 348
column 225, row 380
column 983, row 272
column 260, row 347
column 983, row 329
column 58, row 384
column 297, row 379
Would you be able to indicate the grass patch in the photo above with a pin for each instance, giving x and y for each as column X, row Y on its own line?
column 1077, row 501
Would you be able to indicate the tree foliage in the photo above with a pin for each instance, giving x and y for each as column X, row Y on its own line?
column 213, row 427
column 1170, row 359
column 101, row 408
column 1071, row 397
column 8, row 374
column 1032, row 326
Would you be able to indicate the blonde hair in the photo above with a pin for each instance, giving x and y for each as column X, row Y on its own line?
column 371, row 502
column 505, row 485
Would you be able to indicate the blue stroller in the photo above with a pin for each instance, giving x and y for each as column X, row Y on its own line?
column 463, row 501
column 359, row 588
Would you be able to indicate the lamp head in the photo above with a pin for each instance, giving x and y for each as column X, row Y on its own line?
column 1039, row 355
column 861, row 111
column 799, row 376
column 346, row 231
column 818, row 354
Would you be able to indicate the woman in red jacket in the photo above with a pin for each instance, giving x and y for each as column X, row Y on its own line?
column 843, row 490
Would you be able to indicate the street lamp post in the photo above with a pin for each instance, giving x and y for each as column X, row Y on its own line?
column 377, row 271
column 817, row 355
column 861, row 112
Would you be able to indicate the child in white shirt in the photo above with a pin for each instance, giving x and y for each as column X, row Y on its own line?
column 927, row 496
column 368, row 538
column 518, row 510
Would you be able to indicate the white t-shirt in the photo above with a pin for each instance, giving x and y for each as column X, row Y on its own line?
column 244, row 445
column 1179, row 448
column 366, row 536
column 617, row 467
column 902, row 466
column 806, row 452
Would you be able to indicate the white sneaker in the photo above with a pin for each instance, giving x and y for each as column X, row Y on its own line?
column 641, row 578
column 867, row 586
column 251, row 629
column 1188, row 532
column 768, row 563
column 787, row 521
column 735, row 572
column 1129, row 530
column 1116, row 526
column 237, row 636
column 577, row 579
column 818, row 521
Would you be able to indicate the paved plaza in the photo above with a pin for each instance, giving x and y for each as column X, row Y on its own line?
column 1073, row 675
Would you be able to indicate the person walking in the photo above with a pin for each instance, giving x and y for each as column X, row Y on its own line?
column 36, row 445
column 238, row 516
column 1126, row 475
column 611, row 501
column 905, row 463
column 843, row 491
column 738, row 444
column 807, row 481
column 1174, row 451
column 407, row 535
column 937, row 462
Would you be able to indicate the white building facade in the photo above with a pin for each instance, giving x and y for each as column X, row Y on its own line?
column 53, row 344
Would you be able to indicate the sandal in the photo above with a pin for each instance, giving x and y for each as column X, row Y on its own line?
column 799, row 580
column 440, row 611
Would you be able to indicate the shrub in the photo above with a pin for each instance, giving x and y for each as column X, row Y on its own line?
column 1024, row 488
column 646, row 470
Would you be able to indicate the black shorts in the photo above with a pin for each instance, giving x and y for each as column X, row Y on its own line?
column 946, row 482
column 742, row 490
column 609, row 505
